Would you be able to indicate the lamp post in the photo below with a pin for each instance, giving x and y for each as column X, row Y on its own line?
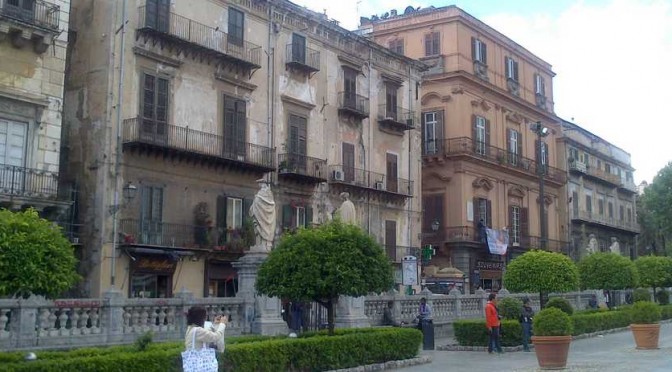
column 541, row 132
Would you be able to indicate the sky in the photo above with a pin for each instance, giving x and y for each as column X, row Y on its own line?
column 613, row 60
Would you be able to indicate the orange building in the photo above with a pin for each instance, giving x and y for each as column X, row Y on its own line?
column 481, row 155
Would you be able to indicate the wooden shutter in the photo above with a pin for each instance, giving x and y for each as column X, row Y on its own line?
column 241, row 109
column 428, row 45
column 392, row 172
column 474, row 131
column 488, row 208
column 484, row 53
column 519, row 154
column 161, row 106
column 391, row 101
column 508, row 141
column 575, row 203
column 438, row 131
column 589, row 204
column 298, row 48
column 309, row 216
column 511, row 217
column 515, row 70
column 236, row 26
column 507, row 67
column 287, row 220
column 477, row 214
column 524, row 223
column 487, row 137
column 423, row 138
column 247, row 204
column 349, row 161
column 391, row 239
column 221, row 219
column 473, row 49
column 537, row 156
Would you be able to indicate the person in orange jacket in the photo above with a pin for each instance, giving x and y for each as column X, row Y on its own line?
column 493, row 324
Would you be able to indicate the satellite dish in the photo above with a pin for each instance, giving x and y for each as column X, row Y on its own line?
column 386, row 15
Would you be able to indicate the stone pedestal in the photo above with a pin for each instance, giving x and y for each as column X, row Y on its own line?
column 114, row 313
column 350, row 313
column 262, row 313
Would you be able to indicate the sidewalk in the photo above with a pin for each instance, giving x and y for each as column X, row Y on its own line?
column 612, row 352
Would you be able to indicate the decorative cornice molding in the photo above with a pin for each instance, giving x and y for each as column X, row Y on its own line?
column 172, row 62
column 516, row 191
column 483, row 183
column 440, row 176
column 548, row 200
column 428, row 96
column 481, row 103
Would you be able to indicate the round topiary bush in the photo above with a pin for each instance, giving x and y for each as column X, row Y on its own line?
column 510, row 308
column 608, row 271
column 562, row 304
column 552, row 322
column 645, row 312
column 663, row 297
column 641, row 294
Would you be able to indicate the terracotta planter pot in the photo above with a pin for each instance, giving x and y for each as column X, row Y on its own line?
column 551, row 351
column 646, row 335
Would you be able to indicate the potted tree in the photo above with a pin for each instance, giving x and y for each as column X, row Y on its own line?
column 608, row 271
column 654, row 271
column 543, row 272
column 552, row 335
column 645, row 326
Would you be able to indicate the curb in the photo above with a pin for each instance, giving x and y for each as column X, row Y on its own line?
column 393, row 364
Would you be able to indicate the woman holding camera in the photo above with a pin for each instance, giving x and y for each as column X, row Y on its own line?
column 214, row 334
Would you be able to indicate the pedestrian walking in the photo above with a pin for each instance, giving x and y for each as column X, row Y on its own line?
column 526, row 320
column 493, row 324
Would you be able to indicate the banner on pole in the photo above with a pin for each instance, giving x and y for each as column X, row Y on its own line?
column 498, row 241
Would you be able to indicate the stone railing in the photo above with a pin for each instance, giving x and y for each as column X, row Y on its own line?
column 36, row 323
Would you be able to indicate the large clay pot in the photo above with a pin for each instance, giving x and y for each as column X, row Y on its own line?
column 551, row 351
column 646, row 335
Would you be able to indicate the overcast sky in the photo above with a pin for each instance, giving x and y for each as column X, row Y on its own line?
column 613, row 60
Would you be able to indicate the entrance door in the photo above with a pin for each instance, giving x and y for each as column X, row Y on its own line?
column 235, row 146
column 349, row 162
column 391, row 240
column 298, row 49
column 157, row 15
column 12, row 156
column 151, row 213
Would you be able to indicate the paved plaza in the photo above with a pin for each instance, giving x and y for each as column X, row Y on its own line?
column 612, row 352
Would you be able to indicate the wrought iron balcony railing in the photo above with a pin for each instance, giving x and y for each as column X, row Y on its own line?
column 27, row 182
column 396, row 117
column 302, row 166
column 594, row 217
column 302, row 57
column 35, row 12
column 369, row 180
column 189, row 141
column 469, row 147
column 354, row 104
column 187, row 30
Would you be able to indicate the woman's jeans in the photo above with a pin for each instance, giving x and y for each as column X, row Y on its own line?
column 494, row 343
column 527, row 332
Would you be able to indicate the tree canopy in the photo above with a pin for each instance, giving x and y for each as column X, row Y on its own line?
column 654, row 271
column 655, row 213
column 35, row 257
column 607, row 271
column 541, row 272
column 323, row 263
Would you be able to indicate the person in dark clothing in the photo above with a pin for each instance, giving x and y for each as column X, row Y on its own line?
column 388, row 316
column 592, row 303
column 526, row 320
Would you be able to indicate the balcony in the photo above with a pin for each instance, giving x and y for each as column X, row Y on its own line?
column 467, row 147
column 577, row 166
column 354, row 105
column 364, row 180
column 302, row 168
column 21, row 182
column 174, row 141
column 34, row 22
column 628, row 185
column 198, row 40
column 301, row 58
column 395, row 118
column 602, row 220
column 451, row 234
column 597, row 174
column 396, row 253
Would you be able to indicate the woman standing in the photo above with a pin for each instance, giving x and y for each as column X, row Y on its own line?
column 195, row 323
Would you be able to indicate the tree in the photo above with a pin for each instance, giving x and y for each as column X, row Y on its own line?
column 324, row 263
column 656, row 212
column 35, row 257
column 608, row 271
column 654, row 271
column 541, row 272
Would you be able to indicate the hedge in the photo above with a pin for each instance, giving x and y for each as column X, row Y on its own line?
column 600, row 321
column 474, row 332
column 666, row 312
column 316, row 353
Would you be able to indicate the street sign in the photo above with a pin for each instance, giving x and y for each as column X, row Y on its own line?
column 410, row 270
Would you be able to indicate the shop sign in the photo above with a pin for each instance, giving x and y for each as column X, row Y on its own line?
column 155, row 265
column 490, row 265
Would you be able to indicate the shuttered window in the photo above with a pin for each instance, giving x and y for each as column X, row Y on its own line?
column 348, row 162
column 235, row 128
column 511, row 67
column 432, row 44
column 157, row 14
column 515, row 146
column 397, row 46
column 236, row 26
column 479, row 51
column 539, row 85
column 432, row 124
column 481, row 135
column 154, row 107
column 514, row 223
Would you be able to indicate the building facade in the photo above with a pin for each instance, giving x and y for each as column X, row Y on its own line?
column 481, row 160
column 216, row 95
column 601, row 194
column 33, row 53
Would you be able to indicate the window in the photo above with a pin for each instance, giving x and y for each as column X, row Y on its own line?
column 514, row 212
column 628, row 176
column 297, row 144
column 607, row 167
column 397, row 46
column 12, row 146
column 348, row 162
column 298, row 49
column 539, row 85
column 350, row 88
column 599, row 164
column 621, row 213
column 629, row 215
column 151, row 215
column 479, row 51
column 432, row 206
column 231, row 213
column 483, row 211
column 481, row 132
column 294, row 216
column 234, row 213
column 431, row 123
column 611, row 210
column 515, row 146
column 600, row 206
column 542, row 154
column 391, row 101
column 236, row 26
column 299, row 216
column 573, row 153
column 392, row 173
column 589, row 204
column 432, row 45
column 234, row 128
column 575, row 203
column 586, row 159
column 146, row 285
column 511, row 69
column 154, row 107
column 157, row 14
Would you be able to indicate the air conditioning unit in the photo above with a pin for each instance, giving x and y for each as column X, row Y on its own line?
column 379, row 186
column 338, row 175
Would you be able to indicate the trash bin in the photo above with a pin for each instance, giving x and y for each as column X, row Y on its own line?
column 427, row 334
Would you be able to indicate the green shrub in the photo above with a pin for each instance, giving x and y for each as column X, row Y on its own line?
column 510, row 308
column 552, row 322
column 595, row 321
column 666, row 312
column 142, row 342
column 644, row 312
column 663, row 297
column 641, row 294
column 474, row 333
column 562, row 304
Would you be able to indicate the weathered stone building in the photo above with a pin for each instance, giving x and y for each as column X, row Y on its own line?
column 601, row 194
column 481, row 101
column 214, row 96
column 32, row 65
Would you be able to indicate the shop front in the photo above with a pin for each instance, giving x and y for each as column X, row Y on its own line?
column 221, row 279
column 488, row 275
column 152, row 276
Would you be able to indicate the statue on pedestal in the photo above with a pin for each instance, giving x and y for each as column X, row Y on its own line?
column 347, row 212
column 592, row 244
column 263, row 216
column 615, row 247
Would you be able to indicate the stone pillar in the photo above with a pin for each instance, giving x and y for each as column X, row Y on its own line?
column 114, row 315
column 187, row 301
column 455, row 295
column 350, row 313
column 262, row 313
column 25, row 326
column 484, row 298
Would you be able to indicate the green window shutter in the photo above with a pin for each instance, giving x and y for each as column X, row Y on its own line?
column 286, row 216
column 309, row 216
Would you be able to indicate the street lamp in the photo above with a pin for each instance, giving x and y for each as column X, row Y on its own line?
column 435, row 225
column 128, row 192
column 541, row 132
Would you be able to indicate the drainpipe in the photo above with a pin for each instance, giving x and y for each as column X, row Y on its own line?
column 117, row 160
column 370, row 164
column 270, row 82
column 410, row 153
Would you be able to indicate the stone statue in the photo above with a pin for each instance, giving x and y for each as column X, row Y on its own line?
column 592, row 244
column 615, row 247
column 262, row 212
column 347, row 211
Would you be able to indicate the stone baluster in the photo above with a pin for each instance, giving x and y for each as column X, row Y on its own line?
column 144, row 319
column 456, row 295
column 95, row 318
column 135, row 316
column 43, row 322
column 170, row 319
column 4, row 320
column 84, row 328
column 162, row 319
column 52, row 322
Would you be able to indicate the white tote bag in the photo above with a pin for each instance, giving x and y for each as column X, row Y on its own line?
column 199, row 360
